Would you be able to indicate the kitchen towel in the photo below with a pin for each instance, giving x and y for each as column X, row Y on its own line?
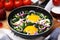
column 3, row 36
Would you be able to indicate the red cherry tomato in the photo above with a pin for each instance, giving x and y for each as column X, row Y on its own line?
column 8, row 4
column 1, row 25
column 1, row 4
column 18, row 3
column 2, row 14
column 27, row 2
column 56, row 2
column 2, row 0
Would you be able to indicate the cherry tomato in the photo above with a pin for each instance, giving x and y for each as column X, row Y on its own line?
column 8, row 4
column 2, row 0
column 56, row 2
column 18, row 3
column 27, row 2
column 1, row 25
column 1, row 4
column 2, row 14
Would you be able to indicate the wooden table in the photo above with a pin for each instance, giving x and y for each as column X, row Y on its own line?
column 56, row 24
column 5, row 22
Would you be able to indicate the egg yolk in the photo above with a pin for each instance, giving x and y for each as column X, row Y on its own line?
column 33, row 18
column 31, row 30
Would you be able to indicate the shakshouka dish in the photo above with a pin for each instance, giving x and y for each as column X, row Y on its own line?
column 30, row 22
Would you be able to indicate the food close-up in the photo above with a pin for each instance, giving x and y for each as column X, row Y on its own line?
column 29, row 19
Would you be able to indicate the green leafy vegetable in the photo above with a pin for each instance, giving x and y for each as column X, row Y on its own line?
column 29, row 23
column 23, row 26
column 46, row 17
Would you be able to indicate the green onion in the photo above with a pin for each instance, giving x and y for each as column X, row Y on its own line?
column 23, row 26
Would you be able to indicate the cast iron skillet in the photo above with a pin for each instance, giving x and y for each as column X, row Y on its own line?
column 30, row 7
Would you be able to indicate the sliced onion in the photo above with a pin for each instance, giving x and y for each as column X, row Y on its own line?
column 21, row 29
column 44, row 28
column 32, row 11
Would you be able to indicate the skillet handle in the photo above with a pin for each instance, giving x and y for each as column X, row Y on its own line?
column 42, row 4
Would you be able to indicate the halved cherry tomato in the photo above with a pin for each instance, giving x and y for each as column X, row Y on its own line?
column 8, row 4
column 27, row 2
column 18, row 3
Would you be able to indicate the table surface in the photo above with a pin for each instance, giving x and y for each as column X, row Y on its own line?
column 56, row 24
